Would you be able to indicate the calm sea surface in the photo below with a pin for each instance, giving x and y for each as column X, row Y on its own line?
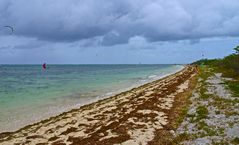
column 29, row 94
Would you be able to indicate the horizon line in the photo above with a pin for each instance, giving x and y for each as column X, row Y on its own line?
column 97, row 64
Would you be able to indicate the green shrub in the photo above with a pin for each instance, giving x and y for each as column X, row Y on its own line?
column 202, row 112
column 236, row 140
column 234, row 87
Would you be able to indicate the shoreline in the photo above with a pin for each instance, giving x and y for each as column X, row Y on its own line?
column 112, row 94
column 77, row 105
column 123, row 97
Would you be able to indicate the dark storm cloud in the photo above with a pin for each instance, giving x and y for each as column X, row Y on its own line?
column 118, row 21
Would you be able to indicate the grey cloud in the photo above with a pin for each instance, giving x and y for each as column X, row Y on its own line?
column 194, row 41
column 5, row 47
column 118, row 21
column 30, row 45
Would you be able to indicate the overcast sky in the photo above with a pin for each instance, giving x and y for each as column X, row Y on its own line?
column 117, row 31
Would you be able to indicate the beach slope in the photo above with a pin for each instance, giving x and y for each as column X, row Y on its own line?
column 139, row 116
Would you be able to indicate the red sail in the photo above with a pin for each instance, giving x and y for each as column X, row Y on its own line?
column 44, row 66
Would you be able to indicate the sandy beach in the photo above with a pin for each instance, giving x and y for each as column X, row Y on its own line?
column 141, row 115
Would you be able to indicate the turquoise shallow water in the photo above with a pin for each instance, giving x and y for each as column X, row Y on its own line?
column 29, row 94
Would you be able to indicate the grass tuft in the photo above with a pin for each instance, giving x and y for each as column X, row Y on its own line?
column 234, row 87
column 235, row 140
column 202, row 112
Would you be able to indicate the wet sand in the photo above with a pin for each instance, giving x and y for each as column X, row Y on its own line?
column 133, row 117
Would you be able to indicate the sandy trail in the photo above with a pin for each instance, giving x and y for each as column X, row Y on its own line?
column 129, row 118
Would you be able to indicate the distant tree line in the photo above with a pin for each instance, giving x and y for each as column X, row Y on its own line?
column 229, row 64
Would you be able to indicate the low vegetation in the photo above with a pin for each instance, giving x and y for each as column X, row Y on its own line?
column 202, row 112
column 234, row 87
column 228, row 65
column 213, row 111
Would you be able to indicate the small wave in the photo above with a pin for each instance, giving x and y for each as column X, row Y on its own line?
column 143, row 80
column 152, row 76
column 109, row 93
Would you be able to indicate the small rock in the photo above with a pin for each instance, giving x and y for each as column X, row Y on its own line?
column 233, row 132
column 101, row 134
column 172, row 132
column 202, row 141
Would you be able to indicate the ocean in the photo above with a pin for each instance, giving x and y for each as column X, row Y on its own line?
column 29, row 94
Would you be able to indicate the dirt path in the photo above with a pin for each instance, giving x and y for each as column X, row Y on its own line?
column 213, row 116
